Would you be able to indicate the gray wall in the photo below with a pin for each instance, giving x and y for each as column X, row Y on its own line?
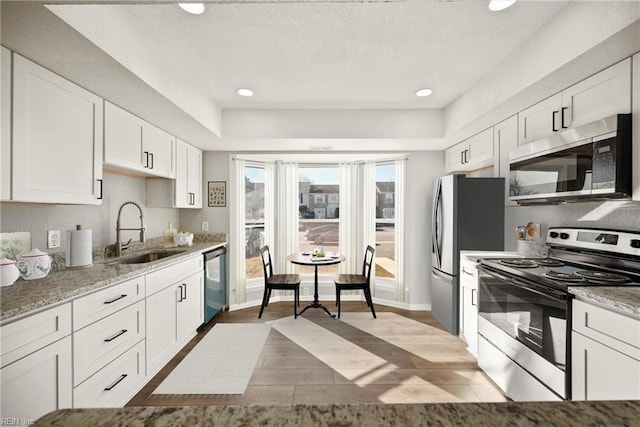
column 38, row 218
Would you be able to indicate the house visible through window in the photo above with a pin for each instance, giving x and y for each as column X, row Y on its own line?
column 385, row 221
column 254, row 220
column 319, row 211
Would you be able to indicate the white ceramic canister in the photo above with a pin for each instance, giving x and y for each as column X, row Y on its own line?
column 35, row 264
column 8, row 272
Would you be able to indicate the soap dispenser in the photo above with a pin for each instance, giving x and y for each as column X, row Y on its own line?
column 167, row 236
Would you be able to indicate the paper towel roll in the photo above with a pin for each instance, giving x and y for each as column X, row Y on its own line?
column 79, row 248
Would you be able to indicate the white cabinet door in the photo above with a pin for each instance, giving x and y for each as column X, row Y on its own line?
column 469, row 304
column 122, row 138
column 181, row 185
column 190, row 306
column 38, row 383
column 454, row 157
column 540, row 120
column 158, row 148
column 133, row 144
column 57, row 138
column 161, row 328
column 195, row 176
column 480, row 151
column 5, row 124
column 602, row 373
column 505, row 139
column 602, row 95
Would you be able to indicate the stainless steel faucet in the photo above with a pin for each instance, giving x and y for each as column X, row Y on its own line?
column 119, row 246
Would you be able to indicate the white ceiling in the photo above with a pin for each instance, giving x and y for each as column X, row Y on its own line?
column 331, row 72
column 338, row 54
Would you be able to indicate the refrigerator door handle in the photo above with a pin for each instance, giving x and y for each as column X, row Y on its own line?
column 435, row 244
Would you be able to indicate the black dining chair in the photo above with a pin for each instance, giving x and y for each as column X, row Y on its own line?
column 348, row 282
column 285, row 282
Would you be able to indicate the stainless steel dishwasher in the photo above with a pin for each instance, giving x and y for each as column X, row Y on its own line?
column 215, row 282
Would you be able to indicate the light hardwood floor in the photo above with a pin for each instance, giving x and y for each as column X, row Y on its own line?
column 372, row 361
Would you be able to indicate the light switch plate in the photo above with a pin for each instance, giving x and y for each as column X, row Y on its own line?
column 53, row 239
column 205, row 226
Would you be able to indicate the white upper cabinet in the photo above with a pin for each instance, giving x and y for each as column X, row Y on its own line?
column 601, row 95
column 135, row 145
column 635, row 131
column 505, row 139
column 5, row 124
column 56, row 146
column 471, row 154
column 186, row 190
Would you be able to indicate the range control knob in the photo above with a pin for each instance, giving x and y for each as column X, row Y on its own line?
column 554, row 234
column 564, row 236
column 635, row 243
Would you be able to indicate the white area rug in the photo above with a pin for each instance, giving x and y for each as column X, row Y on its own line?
column 221, row 363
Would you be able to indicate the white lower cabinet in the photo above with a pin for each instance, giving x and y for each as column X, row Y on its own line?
column 605, row 354
column 114, row 384
column 173, row 315
column 38, row 383
column 36, row 364
column 469, row 310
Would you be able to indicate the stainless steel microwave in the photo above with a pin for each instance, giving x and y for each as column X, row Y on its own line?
column 592, row 161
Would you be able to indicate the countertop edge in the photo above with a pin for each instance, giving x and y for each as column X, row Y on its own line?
column 127, row 272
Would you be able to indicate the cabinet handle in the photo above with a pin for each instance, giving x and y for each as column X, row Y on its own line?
column 185, row 290
column 146, row 159
column 151, row 155
column 474, row 299
column 562, row 124
column 553, row 121
column 115, row 336
column 116, row 299
column 180, row 297
column 468, row 273
column 462, row 157
column 123, row 376
column 100, row 196
column 466, row 158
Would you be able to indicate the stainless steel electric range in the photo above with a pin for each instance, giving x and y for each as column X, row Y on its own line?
column 524, row 307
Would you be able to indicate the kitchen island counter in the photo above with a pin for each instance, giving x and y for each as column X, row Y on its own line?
column 28, row 296
column 609, row 413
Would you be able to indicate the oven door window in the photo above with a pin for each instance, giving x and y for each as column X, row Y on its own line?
column 564, row 171
column 536, row 320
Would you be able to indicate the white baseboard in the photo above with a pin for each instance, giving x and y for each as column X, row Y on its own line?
column 387, row 303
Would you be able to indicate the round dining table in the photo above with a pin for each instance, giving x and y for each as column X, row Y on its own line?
column 307, row 258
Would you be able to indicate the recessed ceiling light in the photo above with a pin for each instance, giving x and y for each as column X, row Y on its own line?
column 497, row 5
column 244, row 92
column 424, row 92
column 194, row 8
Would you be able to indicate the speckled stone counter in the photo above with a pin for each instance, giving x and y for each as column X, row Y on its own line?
column 622, row 299
column 27, row 296
column 619, row 413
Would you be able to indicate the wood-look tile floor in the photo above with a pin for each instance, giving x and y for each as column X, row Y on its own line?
column 397, row 364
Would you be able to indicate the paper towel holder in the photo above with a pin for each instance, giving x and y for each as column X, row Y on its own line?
column 78, row 259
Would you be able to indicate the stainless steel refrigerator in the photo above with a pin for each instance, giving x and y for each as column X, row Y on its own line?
column 468, row 214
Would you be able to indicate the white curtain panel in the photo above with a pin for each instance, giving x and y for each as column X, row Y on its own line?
column 286, row 220
column 237, row 273
column 400, row 221
column 269, row 203
column 350, row 214
column 369, row 212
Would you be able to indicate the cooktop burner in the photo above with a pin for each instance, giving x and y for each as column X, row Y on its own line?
column 520, row 263
column 602, row 276
column 548, row 262
column 564, row 277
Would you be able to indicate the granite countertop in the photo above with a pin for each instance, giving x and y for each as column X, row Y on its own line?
column 609, row 413
column 26, row 296
column 623, row 299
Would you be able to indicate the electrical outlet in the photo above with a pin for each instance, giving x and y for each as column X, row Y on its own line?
column 53, row 239
column 205, row 225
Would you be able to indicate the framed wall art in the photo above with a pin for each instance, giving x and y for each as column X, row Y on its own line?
column 217, row 194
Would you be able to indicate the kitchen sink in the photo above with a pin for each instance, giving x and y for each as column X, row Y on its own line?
column 147, row 256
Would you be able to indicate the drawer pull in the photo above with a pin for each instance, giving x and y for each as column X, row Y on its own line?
column 115, row 336
column 468, row 273
column 123, row 376
column 116, row 299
